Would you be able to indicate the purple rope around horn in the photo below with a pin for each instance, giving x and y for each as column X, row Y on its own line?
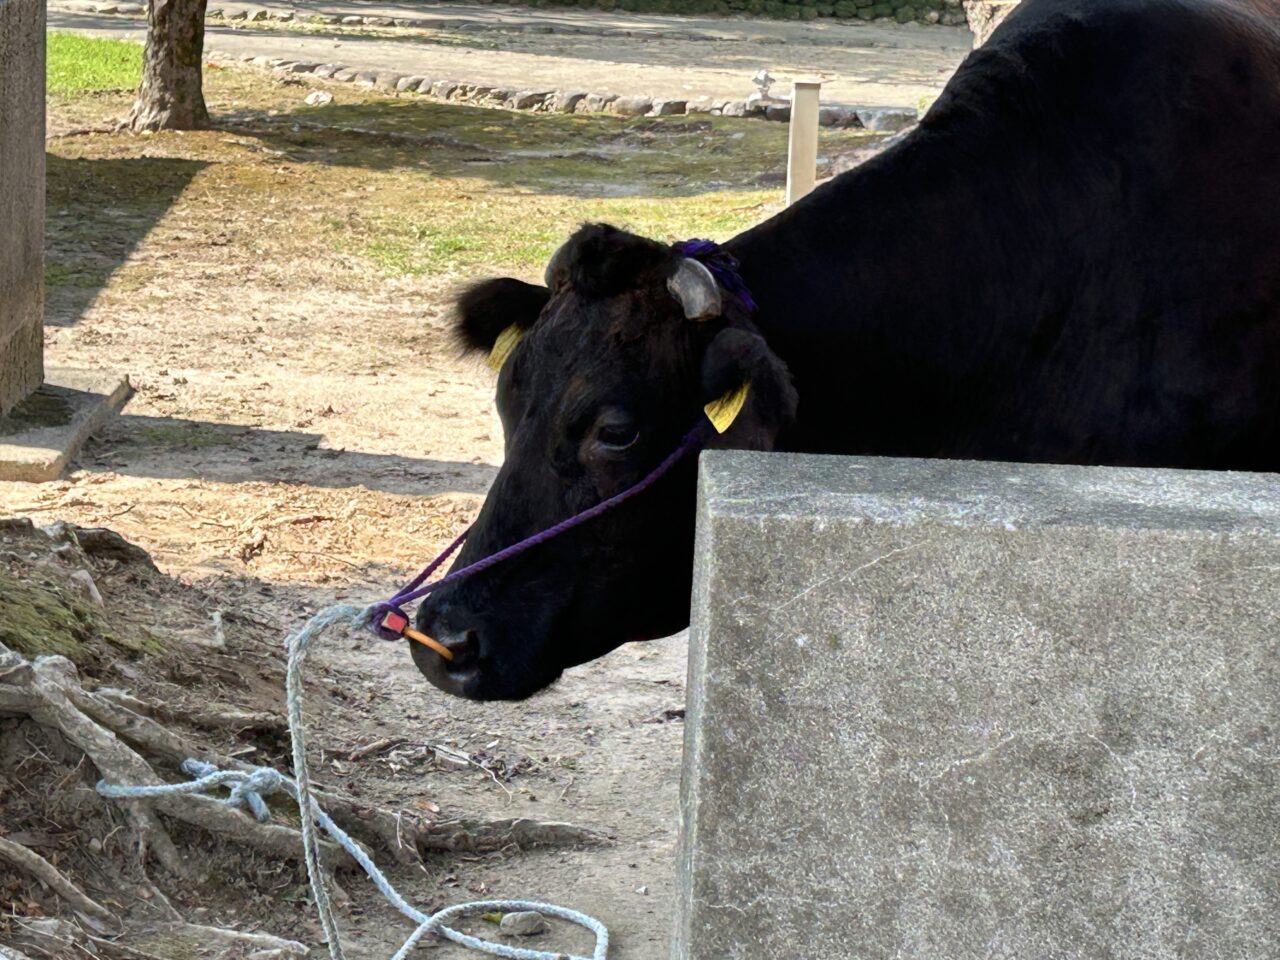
column 390, row 621
column 722, row 264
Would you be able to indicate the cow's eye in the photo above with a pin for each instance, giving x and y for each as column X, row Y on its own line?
column 616, row 434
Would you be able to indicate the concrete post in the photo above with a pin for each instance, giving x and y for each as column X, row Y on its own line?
column 945, row 710
column 21, row 199
column 802, row 147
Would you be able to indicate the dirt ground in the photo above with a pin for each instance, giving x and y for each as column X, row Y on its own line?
column 304, row 430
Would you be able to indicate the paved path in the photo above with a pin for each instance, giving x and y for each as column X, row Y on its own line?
column 879, row 65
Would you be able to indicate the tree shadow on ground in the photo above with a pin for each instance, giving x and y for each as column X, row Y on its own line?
column 173, row 448
column 556, row 154
column 97, row 212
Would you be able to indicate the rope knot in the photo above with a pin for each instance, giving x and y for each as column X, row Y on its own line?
column 247, row 787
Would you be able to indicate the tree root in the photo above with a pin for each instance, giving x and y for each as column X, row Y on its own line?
column 116, row 732
column 486, row 835
column 236, row 721
column 405, row 836
column 46, row 937
column 31, row 862
column 200, row 937
column 48, row 690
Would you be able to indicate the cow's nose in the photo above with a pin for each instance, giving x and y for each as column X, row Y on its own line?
column 454, row 676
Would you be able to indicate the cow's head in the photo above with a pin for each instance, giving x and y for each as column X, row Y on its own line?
column 612, row 364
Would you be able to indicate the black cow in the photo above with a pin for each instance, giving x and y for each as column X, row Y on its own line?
column 1074, row 259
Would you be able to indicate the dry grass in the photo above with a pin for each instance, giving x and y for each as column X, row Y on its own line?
column 401, row 185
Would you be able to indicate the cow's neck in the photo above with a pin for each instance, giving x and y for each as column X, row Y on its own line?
column 872, row 290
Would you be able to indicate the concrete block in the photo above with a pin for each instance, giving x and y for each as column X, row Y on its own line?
column 21, row 198
column 41, row 435
column 945, row 710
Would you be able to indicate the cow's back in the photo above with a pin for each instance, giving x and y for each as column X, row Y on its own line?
column 1076, row 258
column 1161, row 138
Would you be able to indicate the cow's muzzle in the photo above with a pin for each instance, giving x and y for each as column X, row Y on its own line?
column 458, row 676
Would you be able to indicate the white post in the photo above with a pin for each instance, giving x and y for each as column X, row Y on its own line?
column 802, row 151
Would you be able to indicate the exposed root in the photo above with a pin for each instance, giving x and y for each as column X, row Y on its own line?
column 404, row 835
column 37, row 866
column 200, row 937
column 484, row 835
column 46, row 937
column 236, row 721
column 38, row 689
column 132, row 741
column 48, row 690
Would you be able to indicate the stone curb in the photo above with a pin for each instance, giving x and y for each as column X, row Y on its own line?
column 875, row 119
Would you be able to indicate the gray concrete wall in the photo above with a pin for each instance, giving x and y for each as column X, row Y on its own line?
column 21, row 198
column 944, row 710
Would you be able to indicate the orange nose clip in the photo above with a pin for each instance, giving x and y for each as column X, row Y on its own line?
column 396, row 624
column 426, row 641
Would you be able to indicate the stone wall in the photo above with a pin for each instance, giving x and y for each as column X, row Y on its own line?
column 21, row 198
column 946, row 12
column 946, row 709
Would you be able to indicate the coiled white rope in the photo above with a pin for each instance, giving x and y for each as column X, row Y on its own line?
column 248, row 787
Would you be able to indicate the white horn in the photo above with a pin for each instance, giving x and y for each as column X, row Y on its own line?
column 696, row 289
column 559, row 261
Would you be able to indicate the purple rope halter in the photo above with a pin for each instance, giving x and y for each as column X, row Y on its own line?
column 415, row 590
column 724, row 267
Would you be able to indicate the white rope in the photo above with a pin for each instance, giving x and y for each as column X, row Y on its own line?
column 248, row 788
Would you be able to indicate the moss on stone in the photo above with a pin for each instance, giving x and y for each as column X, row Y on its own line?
column 38, row 619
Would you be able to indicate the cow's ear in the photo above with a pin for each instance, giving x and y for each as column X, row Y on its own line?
column 489, row 308
column 750, row 418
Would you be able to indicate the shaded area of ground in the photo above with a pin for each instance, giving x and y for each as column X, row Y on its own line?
column 118, row 221
column 208, row 657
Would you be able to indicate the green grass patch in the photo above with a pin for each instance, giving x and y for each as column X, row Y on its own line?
column 186, row 436
column 467, row 236
column 63, row 275
column 77, row 64
column 404, row 187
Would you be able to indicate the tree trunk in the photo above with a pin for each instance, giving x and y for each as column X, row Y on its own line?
column 170, row 96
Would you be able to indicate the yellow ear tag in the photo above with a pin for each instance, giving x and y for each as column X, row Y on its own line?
column 503, row 346
column 724, row 411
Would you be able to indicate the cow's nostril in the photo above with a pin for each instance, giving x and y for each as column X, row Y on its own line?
column 465, row 650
